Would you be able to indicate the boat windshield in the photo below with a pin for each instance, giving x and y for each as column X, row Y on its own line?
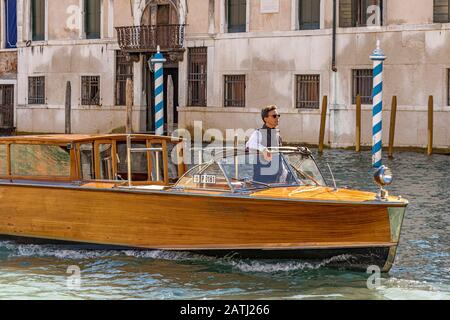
column 239, row 171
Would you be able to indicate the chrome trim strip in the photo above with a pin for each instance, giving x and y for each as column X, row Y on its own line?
column 223, row 195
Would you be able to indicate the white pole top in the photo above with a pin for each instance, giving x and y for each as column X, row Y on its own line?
column 378, row 54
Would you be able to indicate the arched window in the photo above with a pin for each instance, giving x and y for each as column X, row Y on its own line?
column 160, row 12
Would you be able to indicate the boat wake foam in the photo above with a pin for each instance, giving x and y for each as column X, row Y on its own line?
column 268, row 267
column 248, row 265
column 68, row 252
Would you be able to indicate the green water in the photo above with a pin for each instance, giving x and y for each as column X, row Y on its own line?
column 421, row 269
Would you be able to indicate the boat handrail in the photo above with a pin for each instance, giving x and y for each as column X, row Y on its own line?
column 136, row 150
column 218, row 152
column 272, row 149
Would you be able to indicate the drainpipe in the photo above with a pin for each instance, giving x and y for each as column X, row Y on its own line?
column 331, row 114
column 333, row 58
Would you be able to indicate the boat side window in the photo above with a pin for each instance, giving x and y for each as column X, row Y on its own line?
column 3, row 159
column 206, row 176
column 139, row 161
column 173, row 162
column 157, row 164
column 87, row 161
column 40, row 160
column 106, row 162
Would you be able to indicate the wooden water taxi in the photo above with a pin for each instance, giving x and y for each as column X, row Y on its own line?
column 135, row 191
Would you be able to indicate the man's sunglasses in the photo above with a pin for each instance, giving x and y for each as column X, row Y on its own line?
column 276, row 116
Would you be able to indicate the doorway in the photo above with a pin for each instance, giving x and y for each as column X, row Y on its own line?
column 6, row 109
column 159, row 14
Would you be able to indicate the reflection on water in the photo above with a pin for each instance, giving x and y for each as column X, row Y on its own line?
column 421, row 270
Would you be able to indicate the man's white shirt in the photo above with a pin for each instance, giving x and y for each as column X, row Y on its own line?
column 255, row 141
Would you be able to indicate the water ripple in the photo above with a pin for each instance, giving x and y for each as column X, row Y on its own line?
column 421, row 269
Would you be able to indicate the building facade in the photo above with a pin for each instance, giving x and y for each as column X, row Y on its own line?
column 8, row 65
column 229, row 58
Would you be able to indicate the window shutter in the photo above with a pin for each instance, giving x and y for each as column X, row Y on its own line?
column 441, row 11
column 345, row 13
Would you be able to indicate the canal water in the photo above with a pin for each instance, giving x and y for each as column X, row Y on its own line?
column 421, row 270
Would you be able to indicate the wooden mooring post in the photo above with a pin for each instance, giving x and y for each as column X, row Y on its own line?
column 129, row 103
column 68, row 109
column 323, row 120
column 430, row 125
column 358, row 124
column 392, row 127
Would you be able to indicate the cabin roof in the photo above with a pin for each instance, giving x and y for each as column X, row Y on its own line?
column 74, row 138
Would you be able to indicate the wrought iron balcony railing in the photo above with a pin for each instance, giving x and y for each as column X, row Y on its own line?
column 146, row 38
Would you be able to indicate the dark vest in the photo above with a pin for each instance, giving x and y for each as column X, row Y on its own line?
column 269, row 134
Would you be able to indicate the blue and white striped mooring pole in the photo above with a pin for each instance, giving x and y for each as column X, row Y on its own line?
column 157, row 61
column 377, row 95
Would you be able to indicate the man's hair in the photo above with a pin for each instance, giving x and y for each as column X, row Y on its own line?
column 265, row 112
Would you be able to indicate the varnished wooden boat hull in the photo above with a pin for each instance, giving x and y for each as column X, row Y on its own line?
column 216, row 225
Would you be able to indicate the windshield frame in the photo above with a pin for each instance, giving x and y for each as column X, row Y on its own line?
column 224, row 153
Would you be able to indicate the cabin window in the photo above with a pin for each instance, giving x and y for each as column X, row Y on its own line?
column 3, row 160
column 139, row 162
column 106, row 162
column 309, row 14
column 362, row 85
column 87, row 161
column 307, row 91
column 441, row 10
column 40, row 160
column 157, row 169
column 173, row 162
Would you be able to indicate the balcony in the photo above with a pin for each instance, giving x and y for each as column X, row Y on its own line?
column 136, row 39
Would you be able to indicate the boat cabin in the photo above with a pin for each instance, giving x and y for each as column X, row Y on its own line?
column 91, row 160
column 156, row 163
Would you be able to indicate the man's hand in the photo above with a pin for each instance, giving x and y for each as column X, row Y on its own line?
column 267, row 155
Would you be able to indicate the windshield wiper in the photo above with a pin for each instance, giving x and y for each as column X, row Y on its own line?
column 306, row 176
